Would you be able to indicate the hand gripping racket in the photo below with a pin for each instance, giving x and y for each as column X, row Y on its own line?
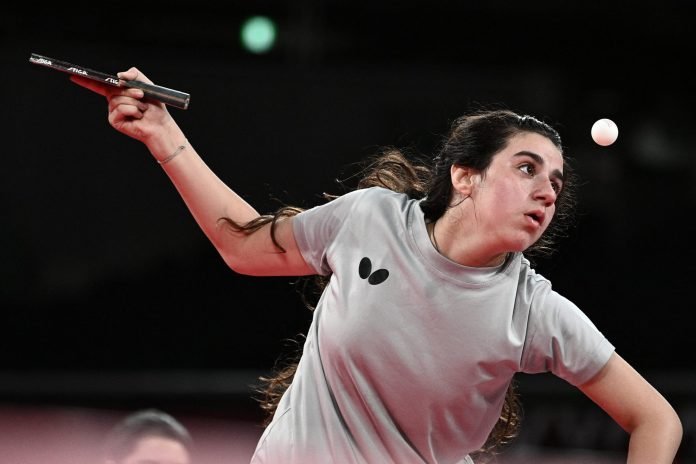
column 163, row 94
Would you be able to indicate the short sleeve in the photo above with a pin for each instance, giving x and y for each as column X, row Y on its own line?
column 316, row 229
column 563, row 340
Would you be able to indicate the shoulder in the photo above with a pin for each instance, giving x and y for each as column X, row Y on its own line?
column 530, row 280
column 360, row 203
column 380, row 193
column 546, row 303
column 371, row 199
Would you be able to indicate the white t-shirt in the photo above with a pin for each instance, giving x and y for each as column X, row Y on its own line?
column 409, row 354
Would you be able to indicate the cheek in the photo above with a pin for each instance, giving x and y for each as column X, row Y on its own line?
column 500, row 197
column 503, row 194
column 550, row 214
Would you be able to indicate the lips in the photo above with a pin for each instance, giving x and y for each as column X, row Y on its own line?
column 536, row 216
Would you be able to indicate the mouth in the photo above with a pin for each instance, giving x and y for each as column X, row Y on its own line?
column 536, row 216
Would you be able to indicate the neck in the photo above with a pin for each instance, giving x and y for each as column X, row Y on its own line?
column 455, row 248
column 431, row 234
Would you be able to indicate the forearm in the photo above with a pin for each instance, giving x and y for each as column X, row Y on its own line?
column 206, row 196
column 639, row 409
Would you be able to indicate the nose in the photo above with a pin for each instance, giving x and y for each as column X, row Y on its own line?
column 545, row 191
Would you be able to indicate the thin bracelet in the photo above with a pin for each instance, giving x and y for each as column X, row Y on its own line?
column 178, row 150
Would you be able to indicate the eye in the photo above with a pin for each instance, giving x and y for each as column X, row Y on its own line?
column 556, row 186
column 528, row 169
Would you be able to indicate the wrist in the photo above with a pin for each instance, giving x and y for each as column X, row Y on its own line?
column 174, row 154
column 163, row 145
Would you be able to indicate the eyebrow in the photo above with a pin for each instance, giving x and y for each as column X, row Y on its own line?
column 539, row 160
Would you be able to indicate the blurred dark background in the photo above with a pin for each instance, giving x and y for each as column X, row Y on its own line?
column 112, row 297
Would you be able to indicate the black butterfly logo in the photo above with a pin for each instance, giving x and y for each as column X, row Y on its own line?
column 373, row 278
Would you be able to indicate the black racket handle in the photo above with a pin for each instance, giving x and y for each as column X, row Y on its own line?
column 163, row 94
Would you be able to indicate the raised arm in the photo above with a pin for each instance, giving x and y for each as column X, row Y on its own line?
column 654, row 427
column 205, row 195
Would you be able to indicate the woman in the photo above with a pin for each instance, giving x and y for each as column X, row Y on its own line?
column 430, row 306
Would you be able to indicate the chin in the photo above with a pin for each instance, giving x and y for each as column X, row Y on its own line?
column 520, row 245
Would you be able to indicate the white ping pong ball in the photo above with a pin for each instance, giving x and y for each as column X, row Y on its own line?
column 604, row 132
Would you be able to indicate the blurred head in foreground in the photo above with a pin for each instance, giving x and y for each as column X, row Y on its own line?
column 148, row 437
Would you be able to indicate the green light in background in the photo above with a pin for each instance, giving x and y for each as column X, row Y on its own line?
column 258, row 34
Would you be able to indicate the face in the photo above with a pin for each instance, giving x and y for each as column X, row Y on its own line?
column 158, row 450
column 514, row 199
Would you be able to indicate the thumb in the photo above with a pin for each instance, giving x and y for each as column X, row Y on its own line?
column 133, row 74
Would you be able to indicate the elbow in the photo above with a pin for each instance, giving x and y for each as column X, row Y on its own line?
column 233, row 255
column 671, row 422
column 671, row 426
column 676, row 425
column 237, row 265
column 663, row 421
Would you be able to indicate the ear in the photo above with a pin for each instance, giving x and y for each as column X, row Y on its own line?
column 463, row 179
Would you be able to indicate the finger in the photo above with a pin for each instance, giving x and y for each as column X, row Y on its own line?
column 125, row 95
column 133, row 74
column 133, row 92
column 124, row 114
column 117, row 102
column 130, row 111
